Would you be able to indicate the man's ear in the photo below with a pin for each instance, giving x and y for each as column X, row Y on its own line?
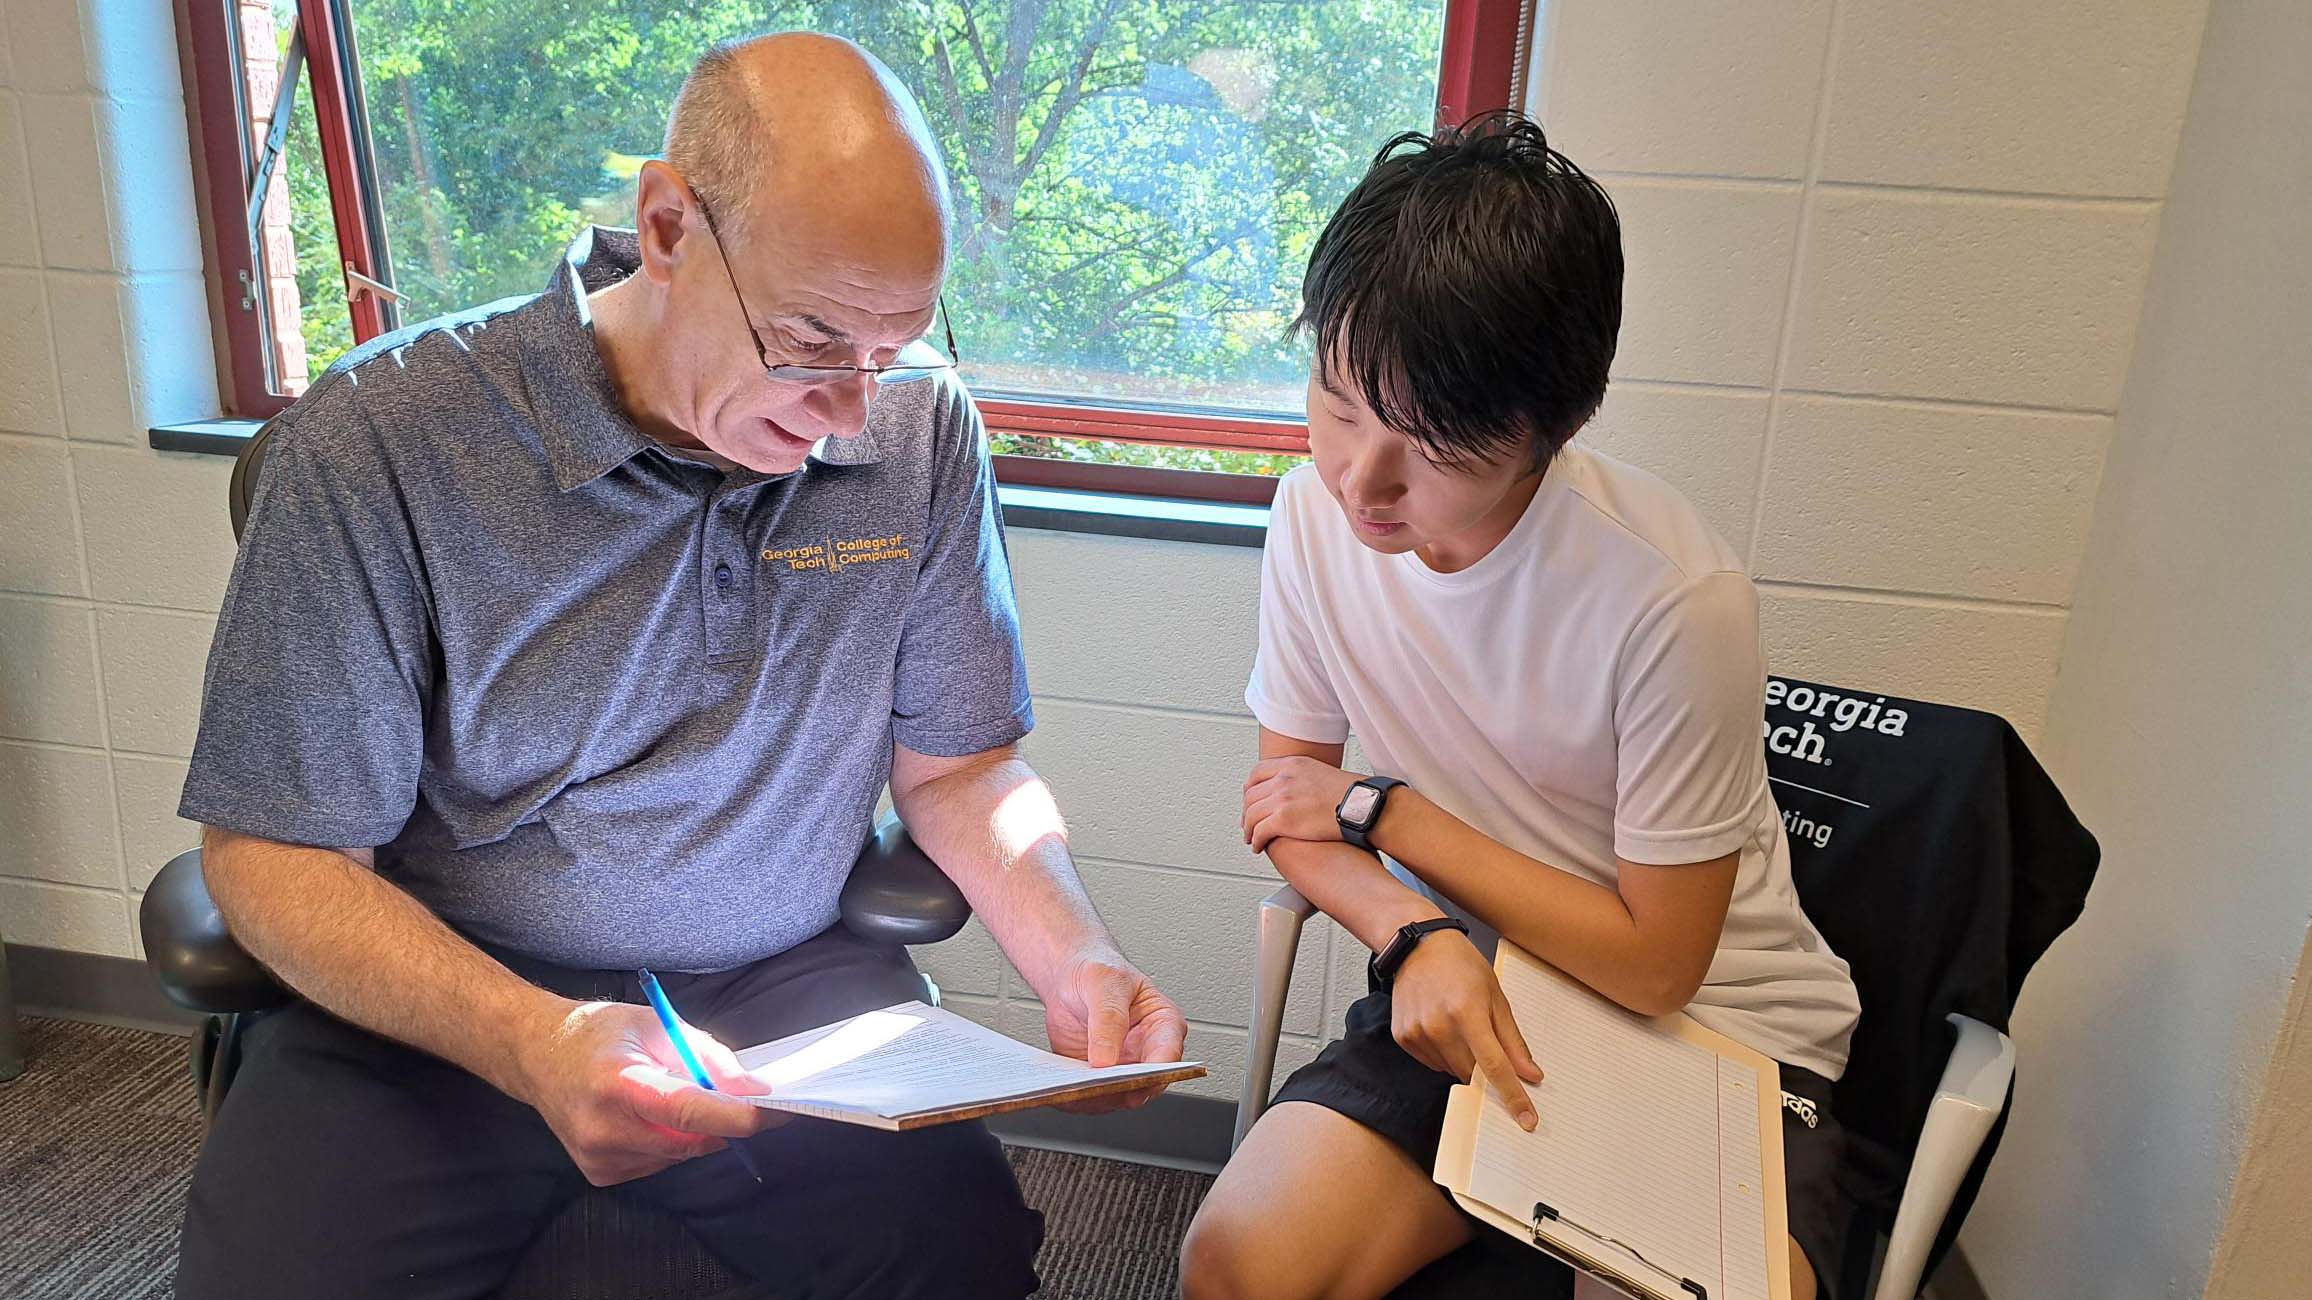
column 662, row 205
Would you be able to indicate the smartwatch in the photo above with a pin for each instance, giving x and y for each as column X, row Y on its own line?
column 1360, row 809
column 1381, row 967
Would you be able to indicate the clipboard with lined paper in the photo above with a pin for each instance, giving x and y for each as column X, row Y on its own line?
column 1657, row 1162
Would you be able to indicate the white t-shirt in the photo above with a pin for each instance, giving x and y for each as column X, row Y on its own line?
column 1593, row 687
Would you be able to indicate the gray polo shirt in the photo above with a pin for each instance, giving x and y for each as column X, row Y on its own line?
column 591, row 700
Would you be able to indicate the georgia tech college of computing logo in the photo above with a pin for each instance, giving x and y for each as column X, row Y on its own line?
column 1846, row 712
column 842, row 553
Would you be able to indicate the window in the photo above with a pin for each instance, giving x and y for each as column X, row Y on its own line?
column 1137, row 183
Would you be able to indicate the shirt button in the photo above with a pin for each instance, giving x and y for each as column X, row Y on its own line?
column 722, row 575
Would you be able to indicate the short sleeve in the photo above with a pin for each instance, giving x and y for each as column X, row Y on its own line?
column 962, row 684
column 313, row 708
column 1290, row 692
column 1689, row 696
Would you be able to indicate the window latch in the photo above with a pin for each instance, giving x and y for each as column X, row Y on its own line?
column 357, row 284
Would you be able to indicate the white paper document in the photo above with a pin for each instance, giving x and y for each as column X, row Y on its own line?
column 1648, row 1147
column 913, row 1064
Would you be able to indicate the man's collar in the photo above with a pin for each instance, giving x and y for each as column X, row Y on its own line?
column 585, row 430
column 861, row 449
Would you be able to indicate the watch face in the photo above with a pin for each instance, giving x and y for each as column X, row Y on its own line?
column 1357, row 809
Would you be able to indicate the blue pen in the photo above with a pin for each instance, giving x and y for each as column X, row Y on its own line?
column 673, row 1026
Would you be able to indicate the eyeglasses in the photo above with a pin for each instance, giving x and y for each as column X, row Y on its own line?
column 916, row 361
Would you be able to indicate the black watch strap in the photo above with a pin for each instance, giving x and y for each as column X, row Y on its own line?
column 1381, row 967
column 1359, row 834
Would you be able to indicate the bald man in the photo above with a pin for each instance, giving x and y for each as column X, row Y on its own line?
column 581, row 633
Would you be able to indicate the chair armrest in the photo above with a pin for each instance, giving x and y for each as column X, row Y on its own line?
column 1967, row 1103
column 188, row 947
column 1281, row 916
column 897, row 894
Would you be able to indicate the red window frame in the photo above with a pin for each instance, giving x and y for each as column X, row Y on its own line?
column 1480, row 69
column 226, row 157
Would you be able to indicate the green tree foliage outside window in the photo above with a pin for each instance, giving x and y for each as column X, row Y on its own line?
column 1137, row 182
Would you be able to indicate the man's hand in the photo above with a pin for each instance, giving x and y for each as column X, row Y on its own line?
column 609, row 1084
column 1294, row 798
column 1105, row 1012
column 991, row 824
column 1447, row 1011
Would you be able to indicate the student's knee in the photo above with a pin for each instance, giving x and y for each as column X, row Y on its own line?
column 1212, row 1259
column 1226, row 1256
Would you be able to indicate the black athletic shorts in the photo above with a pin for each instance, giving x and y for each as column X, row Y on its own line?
column 1366, row 1076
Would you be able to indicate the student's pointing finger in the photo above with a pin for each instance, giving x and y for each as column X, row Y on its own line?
column 1494, row 1064
column 1513, row 1039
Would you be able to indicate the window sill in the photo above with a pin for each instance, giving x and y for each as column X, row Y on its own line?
column 1120, row 514
column 223, row 436
column 1063, row 510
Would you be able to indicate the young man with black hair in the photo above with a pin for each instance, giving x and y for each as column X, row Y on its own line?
column 1554, row 668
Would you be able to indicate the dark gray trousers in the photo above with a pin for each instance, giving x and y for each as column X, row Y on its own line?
column 345, row 1165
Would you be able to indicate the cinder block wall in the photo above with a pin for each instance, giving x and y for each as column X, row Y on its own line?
column 1886, row 262
column 112, row 556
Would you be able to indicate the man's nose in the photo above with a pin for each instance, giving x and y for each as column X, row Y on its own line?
column 840, row 405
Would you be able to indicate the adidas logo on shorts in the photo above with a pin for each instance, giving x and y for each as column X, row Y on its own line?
column 1801, row 1107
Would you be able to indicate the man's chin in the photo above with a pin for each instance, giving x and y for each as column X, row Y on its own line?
column 774, row 464
column 771, row 450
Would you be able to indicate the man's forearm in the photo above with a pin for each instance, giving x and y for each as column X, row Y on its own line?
column 994, row 829
column 343, row 937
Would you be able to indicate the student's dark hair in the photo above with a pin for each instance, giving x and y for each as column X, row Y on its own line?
column 1470, row 289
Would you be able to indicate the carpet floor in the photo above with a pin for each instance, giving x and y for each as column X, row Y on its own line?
column 97, row 1141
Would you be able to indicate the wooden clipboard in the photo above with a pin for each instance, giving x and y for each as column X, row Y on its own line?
column 913, row 1120
column 1457, row 1154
